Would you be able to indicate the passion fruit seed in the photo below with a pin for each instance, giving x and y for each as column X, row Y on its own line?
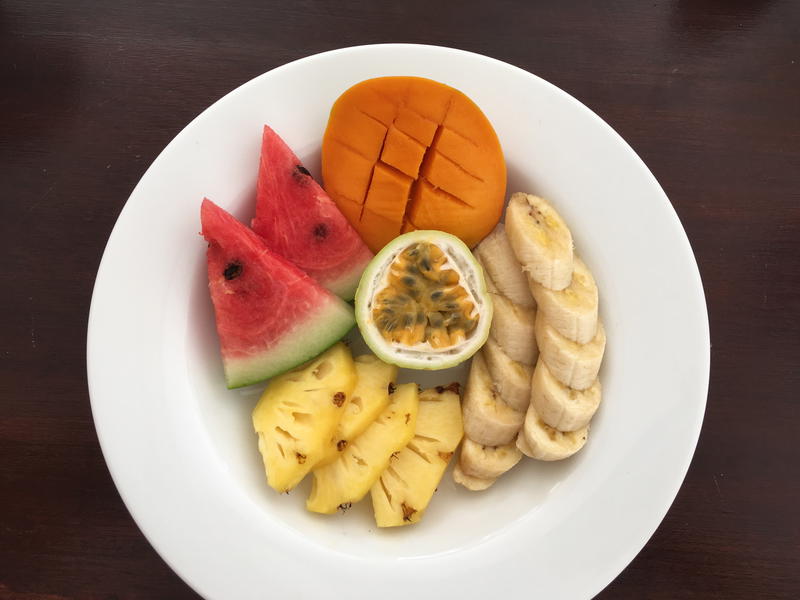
column 422, row 301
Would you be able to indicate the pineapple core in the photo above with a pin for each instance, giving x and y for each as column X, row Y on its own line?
column 423, row 300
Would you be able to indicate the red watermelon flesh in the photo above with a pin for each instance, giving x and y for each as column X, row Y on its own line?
column 300, row 222
column 270, row 315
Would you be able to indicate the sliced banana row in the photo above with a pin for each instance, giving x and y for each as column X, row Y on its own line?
column 554, row 325
column 565, row 389
column 501, row 373
column 493, row 413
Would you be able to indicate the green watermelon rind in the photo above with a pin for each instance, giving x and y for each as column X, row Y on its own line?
column 346, row 284
column 303, row 342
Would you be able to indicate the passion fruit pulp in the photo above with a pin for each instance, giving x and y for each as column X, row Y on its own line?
column 422, row 302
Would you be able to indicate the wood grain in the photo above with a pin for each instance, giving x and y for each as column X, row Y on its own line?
column 708, row 93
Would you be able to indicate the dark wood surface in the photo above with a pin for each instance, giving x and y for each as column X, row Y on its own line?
column 708, row 93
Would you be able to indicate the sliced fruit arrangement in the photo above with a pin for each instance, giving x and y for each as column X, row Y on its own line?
column 270, row 315
column 422, row 302
column 299, row 221
column 499, row 387
column 415, row 173
column 571, row 339
column 403, row 491
column 406, row 153
column 348, row 423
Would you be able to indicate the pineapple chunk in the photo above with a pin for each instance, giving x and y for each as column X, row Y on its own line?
column 350, row 476
column 298, row 413
column 404, row 489
column 369, row 398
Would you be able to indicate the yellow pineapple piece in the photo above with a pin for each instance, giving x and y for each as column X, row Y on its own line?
column 350, row 476
column 404, row 489
column 298, row 413
column 370, row 396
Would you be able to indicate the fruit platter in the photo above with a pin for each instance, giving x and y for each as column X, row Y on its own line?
column 394, row 320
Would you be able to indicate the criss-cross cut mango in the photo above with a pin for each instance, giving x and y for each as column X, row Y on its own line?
column 407, row 153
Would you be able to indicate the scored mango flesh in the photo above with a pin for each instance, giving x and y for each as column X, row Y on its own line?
column 423, row 300
column 407, row 153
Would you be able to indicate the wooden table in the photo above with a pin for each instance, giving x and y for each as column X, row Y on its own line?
column 708, row 94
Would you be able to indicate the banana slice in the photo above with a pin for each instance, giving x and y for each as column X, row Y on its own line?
column 571, row 311
column 541, row 240
column 473, row 484
column 487, row 462
column 546, row 443
column 490, row 286
column 511, row 379
column 522, row 445
column 498, row 260
column 563, row 408
column 575, row 365
column 488, row 419
column 513, row 329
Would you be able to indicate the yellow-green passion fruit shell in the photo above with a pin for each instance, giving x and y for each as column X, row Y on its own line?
column 422, row 302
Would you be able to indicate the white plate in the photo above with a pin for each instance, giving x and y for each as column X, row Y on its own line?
column 180, row 446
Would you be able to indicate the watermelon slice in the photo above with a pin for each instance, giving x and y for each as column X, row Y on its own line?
column 301, row 223
column 270, row 315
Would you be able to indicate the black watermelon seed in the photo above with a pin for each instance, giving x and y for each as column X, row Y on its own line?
column 320, row 231
column 232, row 271
column 301, row 175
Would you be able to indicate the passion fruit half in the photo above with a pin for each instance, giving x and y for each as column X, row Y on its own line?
column 422, row 302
